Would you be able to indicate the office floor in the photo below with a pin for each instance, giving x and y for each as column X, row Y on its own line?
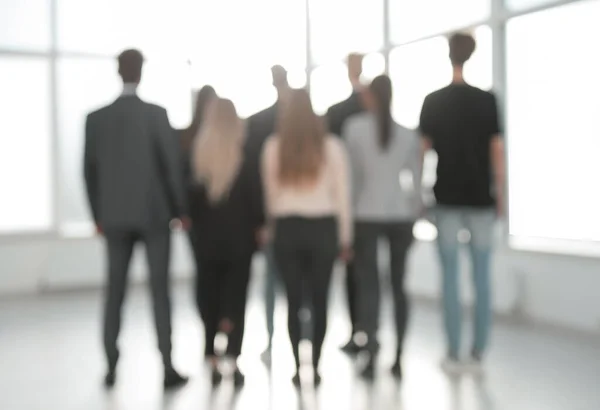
column 51, row 360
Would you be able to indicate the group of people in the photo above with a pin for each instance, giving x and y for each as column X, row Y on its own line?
column 303, row 189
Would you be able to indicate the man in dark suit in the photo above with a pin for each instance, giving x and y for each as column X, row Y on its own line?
column 260, row 126
column 135, row 191
column 336, row 118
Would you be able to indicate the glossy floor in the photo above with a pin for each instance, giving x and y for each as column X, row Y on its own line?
column 51, row 360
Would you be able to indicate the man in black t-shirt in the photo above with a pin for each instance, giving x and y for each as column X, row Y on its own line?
column 460, row 123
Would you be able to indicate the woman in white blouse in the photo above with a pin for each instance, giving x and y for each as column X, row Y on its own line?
column 305, row 175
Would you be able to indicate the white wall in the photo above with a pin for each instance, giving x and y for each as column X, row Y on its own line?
column 561, row 290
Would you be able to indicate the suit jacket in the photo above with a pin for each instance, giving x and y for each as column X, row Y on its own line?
column 132, row 166
column 338, row 114
column 259, row 127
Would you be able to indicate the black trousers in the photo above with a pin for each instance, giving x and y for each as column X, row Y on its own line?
column 120, row 245
column 193, row 238
column 222, row 290
column 351, row 295
column 399, row 236
column 305, row 251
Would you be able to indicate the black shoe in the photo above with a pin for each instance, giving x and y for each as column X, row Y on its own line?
column 368, row 372
column 216, row 377
column 110, row 379
column 397, row 370
column 296, row 379
column 351, row 348
column 238, row 378
column 317, row 379
column 174, row 380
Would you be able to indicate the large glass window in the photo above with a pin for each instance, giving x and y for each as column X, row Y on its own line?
column 239, row 48
column 339, row 27
column 157, row 27
column 420, row 68
column 25, row 24
column 25, row 145
column 552, row 123
column 412, row 19
column 525, row 4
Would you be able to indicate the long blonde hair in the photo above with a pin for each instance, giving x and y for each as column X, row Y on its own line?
column 217, row 154
column 302, row 141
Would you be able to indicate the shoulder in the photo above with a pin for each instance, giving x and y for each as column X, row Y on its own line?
column 98, row 114
column 436, row 95
column 261, row 115
column 155, row 109
column 334, row 145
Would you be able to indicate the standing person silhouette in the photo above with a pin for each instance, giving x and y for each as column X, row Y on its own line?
column 134, row 187
column 460, row 123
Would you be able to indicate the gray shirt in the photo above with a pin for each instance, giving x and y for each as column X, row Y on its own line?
column 386, row 183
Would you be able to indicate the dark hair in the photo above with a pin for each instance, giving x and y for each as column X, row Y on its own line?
column 462, row 47
column 381, row 90
column 203, row 97
column 279, row 75
column 130, row 65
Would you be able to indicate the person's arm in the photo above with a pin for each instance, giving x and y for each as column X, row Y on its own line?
column 268, row 173
column 355, row 165
column 425, row 129
column 342, row 195
column 497, row 157
column 90, row 171
column 169, row 150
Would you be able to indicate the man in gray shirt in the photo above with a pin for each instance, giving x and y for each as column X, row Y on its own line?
column 134, row 188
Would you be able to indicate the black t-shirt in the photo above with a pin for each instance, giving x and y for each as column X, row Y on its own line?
column 460, row 120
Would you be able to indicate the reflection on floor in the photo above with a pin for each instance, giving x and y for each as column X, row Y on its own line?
column 51, row 360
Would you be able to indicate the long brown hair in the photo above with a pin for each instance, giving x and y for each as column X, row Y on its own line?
column 218, row 149
column 381, row 91
column 203, row 99
column 302, row 140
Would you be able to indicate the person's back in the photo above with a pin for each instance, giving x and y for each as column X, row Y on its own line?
column 386, row 183
column 230, row 224
column 226, row 207
column 131, row 167
column 134, row 187
column 460, row 121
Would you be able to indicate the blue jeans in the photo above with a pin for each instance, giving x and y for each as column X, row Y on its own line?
column 270, row 290
column 479, row 223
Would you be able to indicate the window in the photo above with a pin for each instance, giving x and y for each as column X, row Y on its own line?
column 25, row 24
column 525, row 4
column 339, row 27
column 420, row 68
column 244, row 45
column 412, row 19
column 157, row 27
column 25, row 145
column 552, row 123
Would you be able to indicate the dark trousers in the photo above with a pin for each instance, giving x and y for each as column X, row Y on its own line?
column 305, row 251
column 223, row 289
column 120, row 245
column 351, row 295
column 193, row 238
column 399, row 236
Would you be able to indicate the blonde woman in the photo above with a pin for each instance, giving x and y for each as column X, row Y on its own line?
column 308, row 202
column 227, row 211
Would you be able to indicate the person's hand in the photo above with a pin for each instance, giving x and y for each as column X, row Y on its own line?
column 263, row 236
column 346, row 254
column 181, row 224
